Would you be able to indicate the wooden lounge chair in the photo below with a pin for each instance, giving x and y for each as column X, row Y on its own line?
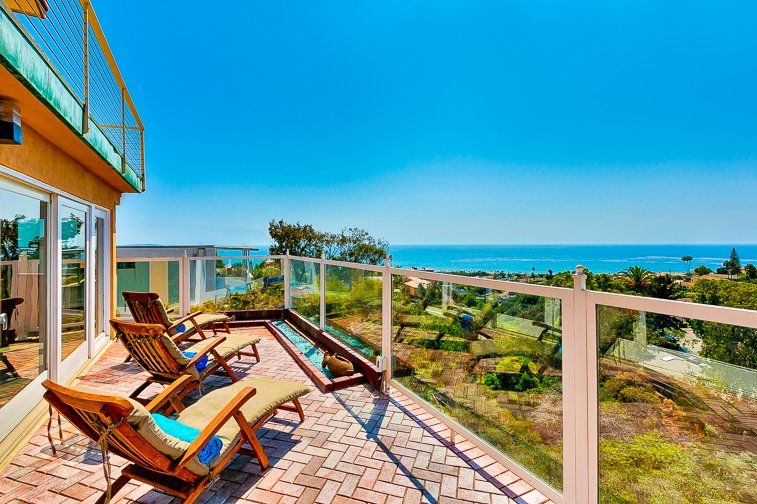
column 148, row 308
column 127, row 428
column 156, row 353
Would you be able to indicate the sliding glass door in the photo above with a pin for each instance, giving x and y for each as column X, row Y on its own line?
column 23, row 288
column 73, row 266
column 101, row 264
column 55, row 281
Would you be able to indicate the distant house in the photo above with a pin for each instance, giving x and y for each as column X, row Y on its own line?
column 145, row 268
column 414, row 285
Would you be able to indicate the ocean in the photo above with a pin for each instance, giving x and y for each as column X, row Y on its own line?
column 597, row 258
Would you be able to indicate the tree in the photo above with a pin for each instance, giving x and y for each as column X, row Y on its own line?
column 726, row 343
column 665, row 330
column 732, row 266
column 702, row 270
column 637, row 278
column 350, row 244
column 735, row 260
column 687, row 261
column 750, row 271
column 298, row 239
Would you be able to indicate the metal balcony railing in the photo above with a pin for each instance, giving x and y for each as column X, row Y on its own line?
column 68, row 34
column 604, row 375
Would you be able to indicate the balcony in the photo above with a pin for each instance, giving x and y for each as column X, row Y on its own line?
column 495, row 391
column 58, row 52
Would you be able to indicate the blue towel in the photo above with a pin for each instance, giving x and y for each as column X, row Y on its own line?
column 189, row 434
column 200, row 364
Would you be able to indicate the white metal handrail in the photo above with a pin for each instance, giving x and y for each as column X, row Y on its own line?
column 709, row 313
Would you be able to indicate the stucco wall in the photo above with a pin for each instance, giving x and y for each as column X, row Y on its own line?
column 40, row 159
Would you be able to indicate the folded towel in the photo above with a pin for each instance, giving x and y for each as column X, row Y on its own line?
column 201, row 364
column 186, row 433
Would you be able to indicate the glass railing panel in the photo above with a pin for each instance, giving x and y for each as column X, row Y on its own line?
column 305, row 289
column 223, row 284
column 353, row 308
column 677, row 405
column 490, row 360
column 146, row 275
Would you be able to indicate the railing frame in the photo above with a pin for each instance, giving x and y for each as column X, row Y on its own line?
column 83, row 55
column 579, row 336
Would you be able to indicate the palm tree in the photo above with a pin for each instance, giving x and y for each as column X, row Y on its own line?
column 637, row 278
column 687, row 261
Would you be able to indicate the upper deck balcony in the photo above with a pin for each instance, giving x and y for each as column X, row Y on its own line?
column 54, row 58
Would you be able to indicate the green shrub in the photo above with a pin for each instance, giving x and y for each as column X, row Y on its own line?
column 650, row 469
column 629, row 388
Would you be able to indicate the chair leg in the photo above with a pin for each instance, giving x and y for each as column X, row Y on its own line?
column 213, row 328
column 296, row 408
column 297, row 405
column 255, row 351
column 114, row 488
column 252, row 440
column 194, row 494
column 225, row 366
column 226, row 327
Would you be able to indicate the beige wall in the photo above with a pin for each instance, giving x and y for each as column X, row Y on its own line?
column 42, row 160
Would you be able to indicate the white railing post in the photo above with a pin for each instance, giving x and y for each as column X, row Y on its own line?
column 184, row 295
column 322, row 313
column 578, row 353
column 286, row 266
column 386, row 320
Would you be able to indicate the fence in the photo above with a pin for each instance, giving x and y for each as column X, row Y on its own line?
column 589, row 396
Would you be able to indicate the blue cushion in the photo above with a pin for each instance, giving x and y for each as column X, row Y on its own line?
column 201, row 364
column 188, row 434
column 181, row 328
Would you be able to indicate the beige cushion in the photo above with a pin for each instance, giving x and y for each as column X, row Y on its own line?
column 228, row 348
column 204, row 320
column 269, row 394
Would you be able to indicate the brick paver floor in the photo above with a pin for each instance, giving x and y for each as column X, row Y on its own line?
column 355, row 445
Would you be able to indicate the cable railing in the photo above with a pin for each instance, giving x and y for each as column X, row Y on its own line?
column 585, row 395
column 68, row 35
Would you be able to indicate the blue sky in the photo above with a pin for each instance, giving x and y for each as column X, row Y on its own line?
column 443, row 122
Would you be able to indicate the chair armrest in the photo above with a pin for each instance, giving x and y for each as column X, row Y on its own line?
column 178, row 322
column 173, row 390
column 190, row 318
column 204, row 351
column 218, row 421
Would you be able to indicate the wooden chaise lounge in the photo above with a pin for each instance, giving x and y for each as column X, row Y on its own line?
column 158, row 354
column 148, row 308
column 233, row 414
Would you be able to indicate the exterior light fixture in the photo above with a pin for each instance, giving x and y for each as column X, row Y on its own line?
column 10, row 123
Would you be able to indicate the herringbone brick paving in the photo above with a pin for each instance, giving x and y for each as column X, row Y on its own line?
column 355, row 445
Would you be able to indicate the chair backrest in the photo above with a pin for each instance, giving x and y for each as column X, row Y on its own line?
column 95, row 414
column 149, row 346
column 8, row 305
column 147, row 308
